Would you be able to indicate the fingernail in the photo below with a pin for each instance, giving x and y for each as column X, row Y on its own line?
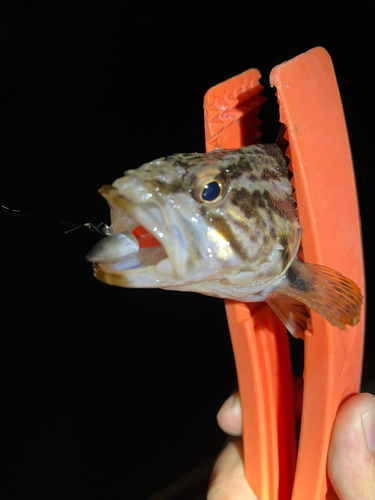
column 227, row 405
column 368, row 420
column 230, row 402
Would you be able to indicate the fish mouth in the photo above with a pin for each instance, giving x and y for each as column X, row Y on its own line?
column 152, row 266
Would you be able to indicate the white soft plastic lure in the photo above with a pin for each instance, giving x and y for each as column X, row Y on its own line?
column 221, row 224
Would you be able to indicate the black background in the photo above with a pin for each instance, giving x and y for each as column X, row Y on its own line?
column 106, row 392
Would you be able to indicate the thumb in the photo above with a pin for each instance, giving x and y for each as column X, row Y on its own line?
column 228, row 477
column 351, row 457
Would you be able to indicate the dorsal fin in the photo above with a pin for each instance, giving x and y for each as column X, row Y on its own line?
column 282, row 143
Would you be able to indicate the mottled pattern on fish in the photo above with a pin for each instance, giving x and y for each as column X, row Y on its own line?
column 259, row 211
column 227, row 225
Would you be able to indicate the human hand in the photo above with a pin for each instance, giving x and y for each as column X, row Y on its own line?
column 351, row 456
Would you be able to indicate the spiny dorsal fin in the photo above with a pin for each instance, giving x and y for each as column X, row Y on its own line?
column 280, row 140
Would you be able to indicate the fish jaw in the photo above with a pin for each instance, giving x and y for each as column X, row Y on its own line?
column 188, row 253
column 192, row 256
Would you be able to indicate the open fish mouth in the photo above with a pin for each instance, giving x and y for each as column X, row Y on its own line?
column 122, row 259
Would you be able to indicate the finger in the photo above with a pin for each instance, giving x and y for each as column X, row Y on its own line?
column 351, row 457
column 229, row 416
column 228, row 477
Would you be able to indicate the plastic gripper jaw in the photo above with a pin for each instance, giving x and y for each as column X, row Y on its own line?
column 323, row 178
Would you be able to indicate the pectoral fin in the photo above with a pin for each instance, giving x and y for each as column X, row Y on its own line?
column 323, row 290
column 292, row 313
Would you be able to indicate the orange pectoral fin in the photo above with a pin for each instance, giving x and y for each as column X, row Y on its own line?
column 292, row 313
column 323, row 290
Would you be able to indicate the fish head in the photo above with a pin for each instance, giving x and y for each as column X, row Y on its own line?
column 225, row 222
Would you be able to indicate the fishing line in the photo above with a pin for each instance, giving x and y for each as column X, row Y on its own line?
column 101, row 228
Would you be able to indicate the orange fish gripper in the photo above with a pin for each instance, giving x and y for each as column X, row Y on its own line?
column 325, row 192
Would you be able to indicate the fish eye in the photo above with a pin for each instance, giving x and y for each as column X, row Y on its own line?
column 208, row 184
column 211, row 191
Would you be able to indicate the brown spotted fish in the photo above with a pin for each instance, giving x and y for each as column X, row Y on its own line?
column 223, row 224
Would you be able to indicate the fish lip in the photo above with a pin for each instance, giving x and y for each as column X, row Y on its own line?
column 152, row 217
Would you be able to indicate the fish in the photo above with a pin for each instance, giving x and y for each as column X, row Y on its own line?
column 222, row 224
